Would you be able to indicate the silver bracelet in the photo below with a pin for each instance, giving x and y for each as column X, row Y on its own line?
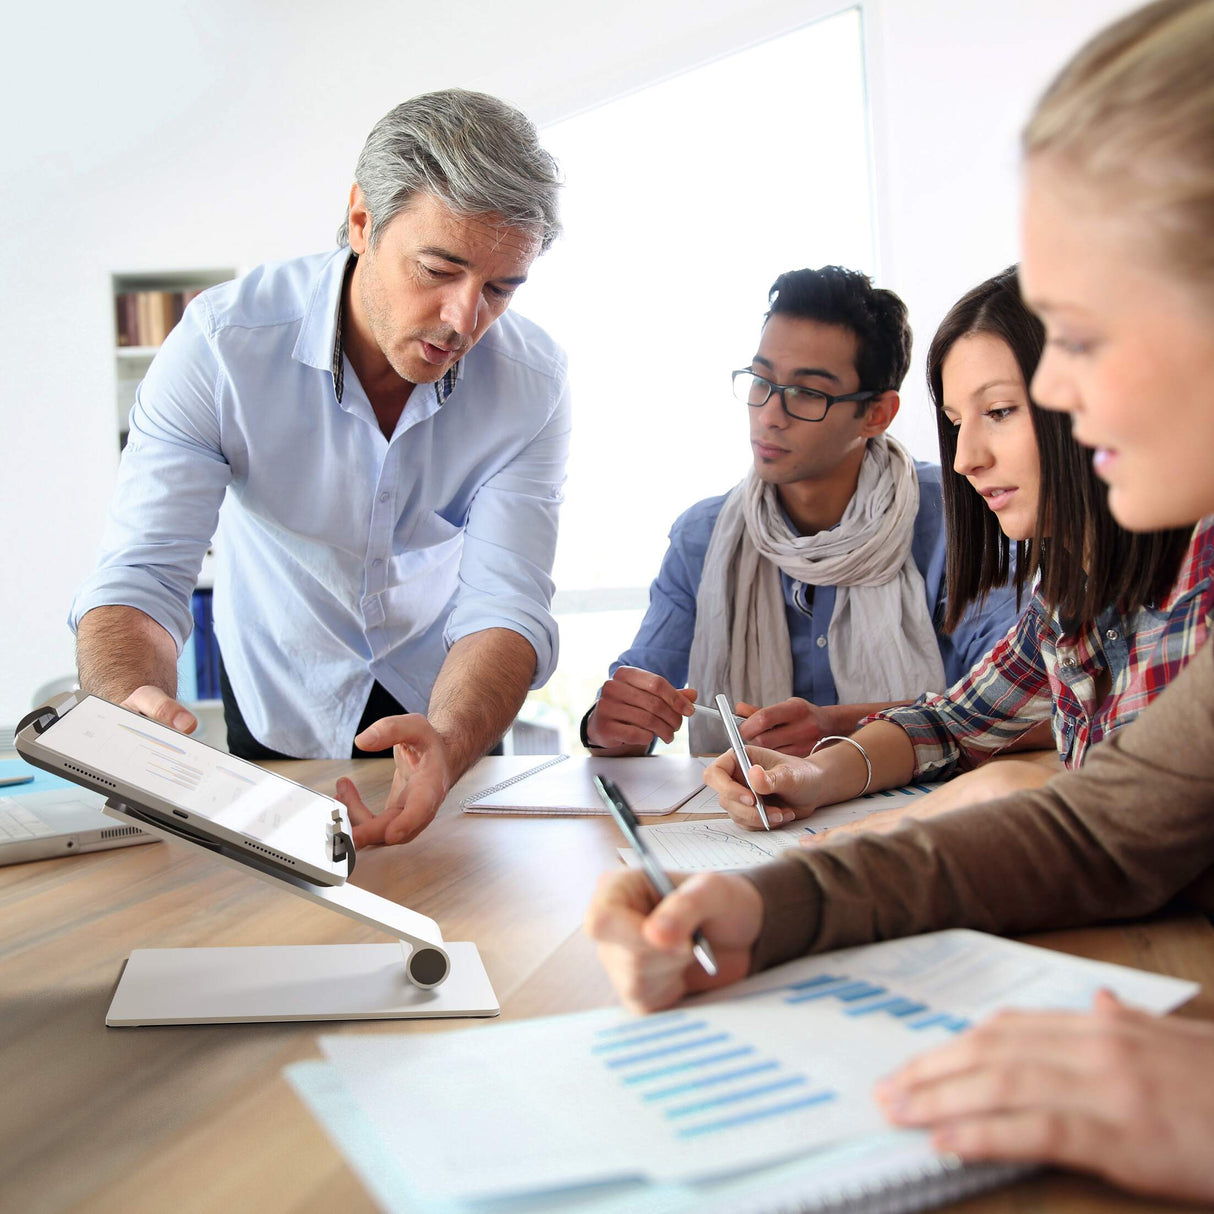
column 868, row 763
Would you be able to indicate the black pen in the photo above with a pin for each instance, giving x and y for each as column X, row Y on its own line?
column 626, row 820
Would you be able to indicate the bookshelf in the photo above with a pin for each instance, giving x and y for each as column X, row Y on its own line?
column 146, row 305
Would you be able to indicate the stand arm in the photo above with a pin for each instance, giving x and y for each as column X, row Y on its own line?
column 426, row 962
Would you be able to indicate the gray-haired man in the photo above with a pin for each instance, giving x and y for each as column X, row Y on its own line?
column 391, row 444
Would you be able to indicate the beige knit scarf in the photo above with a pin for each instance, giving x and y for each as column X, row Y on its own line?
column 881, row 642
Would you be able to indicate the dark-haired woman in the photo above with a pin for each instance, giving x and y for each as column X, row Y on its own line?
column 1119, row 261
column 1114, row 616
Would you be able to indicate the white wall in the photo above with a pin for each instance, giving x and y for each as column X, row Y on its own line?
column 951, row 82
column 146, row 134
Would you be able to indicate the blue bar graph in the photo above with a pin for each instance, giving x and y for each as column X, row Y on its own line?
column 896, row 1005
column 706, row 1080
column 846, row 990
column 692, row 1085
column 657, row 1035
column 679, row 1068
column 643, row 1024
column 927, row 1022
column 778, row 1110
column 701, row 1080
column 665, row 1050
column 955, row 1024
column 869, row 999
column 716, row 1102
column 809, row 983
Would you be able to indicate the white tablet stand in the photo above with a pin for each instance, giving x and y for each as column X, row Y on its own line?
column 417, row 977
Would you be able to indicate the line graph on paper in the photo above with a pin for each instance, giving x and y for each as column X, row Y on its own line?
column 718, row 843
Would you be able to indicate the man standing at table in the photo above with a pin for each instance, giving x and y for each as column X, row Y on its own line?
column 814, row 591
column 389, row 445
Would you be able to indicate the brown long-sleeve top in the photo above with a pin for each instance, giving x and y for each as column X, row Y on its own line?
column 1118, row 839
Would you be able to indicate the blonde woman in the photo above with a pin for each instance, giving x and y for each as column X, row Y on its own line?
column 1118, row 260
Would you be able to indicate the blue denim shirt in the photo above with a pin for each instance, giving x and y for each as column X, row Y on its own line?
column 343, row 556
column 664, row 640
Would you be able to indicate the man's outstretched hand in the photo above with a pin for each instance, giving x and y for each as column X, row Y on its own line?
column 421, row 781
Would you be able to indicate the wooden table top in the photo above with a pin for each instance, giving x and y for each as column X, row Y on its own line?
column 201, row 1119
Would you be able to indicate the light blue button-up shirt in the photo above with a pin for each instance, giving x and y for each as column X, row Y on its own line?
column 343, row 557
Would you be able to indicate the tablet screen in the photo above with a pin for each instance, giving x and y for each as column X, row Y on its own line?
column 197, row 778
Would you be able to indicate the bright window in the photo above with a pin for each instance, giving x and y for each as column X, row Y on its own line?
column 683, row 203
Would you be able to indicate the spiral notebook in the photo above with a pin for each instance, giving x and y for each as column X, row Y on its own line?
column 653, row 784
column 752, row 1100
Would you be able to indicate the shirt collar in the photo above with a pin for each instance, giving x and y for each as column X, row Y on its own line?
column 320, row 341
column 442, row 387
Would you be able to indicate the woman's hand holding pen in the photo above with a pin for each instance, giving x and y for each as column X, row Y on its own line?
column 645, row 944
column 789, row 787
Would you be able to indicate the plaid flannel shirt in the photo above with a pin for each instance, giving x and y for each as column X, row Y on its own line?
column 1038, row 672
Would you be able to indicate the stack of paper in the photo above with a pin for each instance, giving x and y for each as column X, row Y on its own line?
column 723, row 1099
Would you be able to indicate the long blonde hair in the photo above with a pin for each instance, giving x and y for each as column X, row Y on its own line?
column 1133, row 113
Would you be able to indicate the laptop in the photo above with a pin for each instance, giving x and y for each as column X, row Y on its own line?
column 51, row 817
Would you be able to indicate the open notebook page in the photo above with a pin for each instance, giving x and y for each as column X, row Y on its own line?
column 720, row 844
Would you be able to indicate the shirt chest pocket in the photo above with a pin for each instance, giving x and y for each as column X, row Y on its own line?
column 424, row 573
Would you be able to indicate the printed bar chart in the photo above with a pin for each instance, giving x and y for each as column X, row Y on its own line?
column 724, row 1094
column 870, row 998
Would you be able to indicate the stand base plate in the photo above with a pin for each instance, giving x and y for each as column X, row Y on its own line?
column 292, row 982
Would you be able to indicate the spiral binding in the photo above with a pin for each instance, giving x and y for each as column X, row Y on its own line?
column 943, row 1179
column 468, row 802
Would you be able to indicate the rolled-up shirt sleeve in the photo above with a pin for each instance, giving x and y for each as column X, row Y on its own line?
column 505, row 573
column 171, row 482
column 1005, row 695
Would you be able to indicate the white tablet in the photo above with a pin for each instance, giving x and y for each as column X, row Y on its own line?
column 190, row 787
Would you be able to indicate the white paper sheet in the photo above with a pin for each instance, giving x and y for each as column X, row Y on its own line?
column 775, row 1066
column 721, row 844
column 653, row 784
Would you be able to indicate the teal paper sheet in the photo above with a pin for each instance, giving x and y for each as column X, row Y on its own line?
column 43, row 780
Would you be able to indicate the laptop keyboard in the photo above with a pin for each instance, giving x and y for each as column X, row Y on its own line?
column 17, row 822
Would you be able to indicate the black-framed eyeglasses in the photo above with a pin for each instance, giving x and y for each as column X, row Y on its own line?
column 805, row 404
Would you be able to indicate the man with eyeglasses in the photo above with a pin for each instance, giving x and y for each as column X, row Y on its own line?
column 812, row 594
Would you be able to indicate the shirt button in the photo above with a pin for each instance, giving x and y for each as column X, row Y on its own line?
column 383, row 497
column 377, row 562
column 1069, row 663
column 821, row 642
column 1111, row 635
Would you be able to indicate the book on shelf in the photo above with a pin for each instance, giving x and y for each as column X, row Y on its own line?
column 206, row 649
column 144, row 318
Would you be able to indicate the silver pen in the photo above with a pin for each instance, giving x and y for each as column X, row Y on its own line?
column 708, row 711
column 739, row 751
